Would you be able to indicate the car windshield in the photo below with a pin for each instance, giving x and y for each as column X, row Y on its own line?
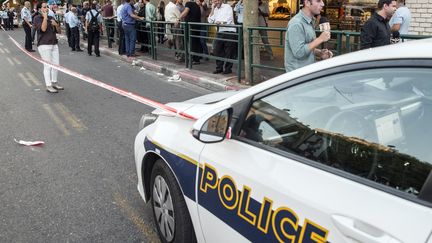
column 370, row 124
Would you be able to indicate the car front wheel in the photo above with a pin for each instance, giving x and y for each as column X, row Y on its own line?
column 169, row 207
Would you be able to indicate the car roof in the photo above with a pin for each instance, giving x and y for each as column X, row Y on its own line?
column 416, row 49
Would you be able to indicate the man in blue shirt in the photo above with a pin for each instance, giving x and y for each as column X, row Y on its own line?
column 128, row 22
column 401, row 20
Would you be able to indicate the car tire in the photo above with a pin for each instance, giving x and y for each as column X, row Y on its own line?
column 170, row 212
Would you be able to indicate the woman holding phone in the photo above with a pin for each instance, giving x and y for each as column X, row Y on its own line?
column 47, row 27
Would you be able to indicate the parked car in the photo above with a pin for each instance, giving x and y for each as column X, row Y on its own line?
column 337, row 151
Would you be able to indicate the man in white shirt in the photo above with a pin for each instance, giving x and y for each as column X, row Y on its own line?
column 27, row 25
column 223, row 14
column 73, row 22
column 66, row 23
column 401, row 19
column 172, row 14
column 121, row 47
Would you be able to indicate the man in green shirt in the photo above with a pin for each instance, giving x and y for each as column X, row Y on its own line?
column 300, row 40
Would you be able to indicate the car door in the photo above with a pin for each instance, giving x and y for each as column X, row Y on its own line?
column 337, row 157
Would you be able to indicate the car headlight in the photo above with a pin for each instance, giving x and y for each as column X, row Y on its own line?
column 146, row 120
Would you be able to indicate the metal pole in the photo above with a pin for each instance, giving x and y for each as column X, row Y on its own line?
column 250, row 19
column 239, row 51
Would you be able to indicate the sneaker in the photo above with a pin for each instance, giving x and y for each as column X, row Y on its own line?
column 57, row 87
column 50, row 89
column 227, row 72
column 217, row 72
column 79, row 50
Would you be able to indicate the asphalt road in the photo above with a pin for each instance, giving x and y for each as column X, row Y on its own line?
column 81, row 185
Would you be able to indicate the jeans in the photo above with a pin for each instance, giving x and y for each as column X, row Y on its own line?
column 49, row 53
column 130, row 38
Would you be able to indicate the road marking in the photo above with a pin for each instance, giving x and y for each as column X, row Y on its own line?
column 145, row 228
column 70, row 118
column 24, row 79
column 17, row 61
column 56, row 120
column 1, row 50
column 130, row 95
column 33, row 78
column 10, row 61
column 6, row 50
column 29, row 78
column 1, row 44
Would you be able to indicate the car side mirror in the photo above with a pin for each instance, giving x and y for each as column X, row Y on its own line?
column 214, row 127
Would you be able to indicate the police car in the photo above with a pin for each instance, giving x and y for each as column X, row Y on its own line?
column 338, row 151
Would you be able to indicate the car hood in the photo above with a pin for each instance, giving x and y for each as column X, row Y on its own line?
column 211, row 98
column 196, row 107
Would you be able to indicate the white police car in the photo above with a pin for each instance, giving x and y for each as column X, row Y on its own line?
column 338, row 151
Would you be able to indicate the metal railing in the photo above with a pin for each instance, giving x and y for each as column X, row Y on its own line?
column 181, row 36
column 341, row 42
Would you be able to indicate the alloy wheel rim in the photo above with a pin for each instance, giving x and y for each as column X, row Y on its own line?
column 163, row 208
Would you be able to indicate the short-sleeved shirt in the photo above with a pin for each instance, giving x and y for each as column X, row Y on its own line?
column 300, row 33
column 239, row 9
column 72, row 19
column 194, row 14
column 402, row 16
column 26, row 14
column 108, row 10
column 94, row 12
column 119, row 12
column 47, row 37
column 126, row 14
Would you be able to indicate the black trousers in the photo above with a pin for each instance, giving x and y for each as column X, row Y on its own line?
column 68, row 34
column 28, row 39
column 93, row 39
column 196, row 42
column 225, row 49
column 75, row 38
column 121, row 45
column 10, row 24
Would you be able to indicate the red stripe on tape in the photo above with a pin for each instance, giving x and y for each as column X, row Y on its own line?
column 116, row 90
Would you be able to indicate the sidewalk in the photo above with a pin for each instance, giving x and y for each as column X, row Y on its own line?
column 171, row 68
column 201, row 75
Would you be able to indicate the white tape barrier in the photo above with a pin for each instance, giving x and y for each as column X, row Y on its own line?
column 111, row 88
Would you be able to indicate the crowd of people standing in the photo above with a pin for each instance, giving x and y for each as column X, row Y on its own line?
column 7, row 16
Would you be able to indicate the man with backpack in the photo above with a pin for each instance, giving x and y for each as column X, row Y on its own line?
column 93, row 26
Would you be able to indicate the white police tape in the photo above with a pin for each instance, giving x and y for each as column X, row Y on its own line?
column 116, row 90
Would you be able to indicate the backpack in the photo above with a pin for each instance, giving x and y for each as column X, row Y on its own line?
column 94, row 25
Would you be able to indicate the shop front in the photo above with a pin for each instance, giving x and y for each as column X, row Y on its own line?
column 282, row 9
column 349, row 15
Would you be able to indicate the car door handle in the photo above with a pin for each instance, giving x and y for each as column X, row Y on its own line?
column 360, row 231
